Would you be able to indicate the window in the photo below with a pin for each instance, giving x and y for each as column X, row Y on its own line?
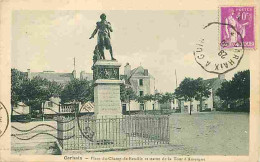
column 50, row 104
column 141, row 82
column 124, row 108
column 186, row 108
column 141, row 106
column 206, row 106
column 141, row 93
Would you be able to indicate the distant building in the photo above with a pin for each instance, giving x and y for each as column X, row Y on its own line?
column 143, row 83
column 20, row 109
column 208, row 104
column 53, row 105
column 61, row 78
column 87, row 76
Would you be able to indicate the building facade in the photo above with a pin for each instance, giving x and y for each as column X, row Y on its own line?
column 208, row 104
column 142, row 83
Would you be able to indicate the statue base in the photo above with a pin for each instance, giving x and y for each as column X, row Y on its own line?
column 107, row 97
column 107, row 88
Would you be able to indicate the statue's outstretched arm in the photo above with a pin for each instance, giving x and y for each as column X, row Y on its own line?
column 94, row 33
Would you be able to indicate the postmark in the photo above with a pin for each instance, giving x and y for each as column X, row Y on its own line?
column 242, row 19
column 215, row 60
column 4, row 119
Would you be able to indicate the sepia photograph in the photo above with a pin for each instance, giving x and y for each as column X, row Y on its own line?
column 131, row 82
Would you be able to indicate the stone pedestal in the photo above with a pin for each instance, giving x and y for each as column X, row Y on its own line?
column 107, row 88
column 107, row 98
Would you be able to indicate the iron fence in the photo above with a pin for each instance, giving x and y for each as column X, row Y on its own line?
column 90, row 133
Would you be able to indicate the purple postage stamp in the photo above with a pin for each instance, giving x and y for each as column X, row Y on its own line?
column 240, row 27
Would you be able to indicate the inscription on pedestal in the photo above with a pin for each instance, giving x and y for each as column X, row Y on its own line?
column 107, row 99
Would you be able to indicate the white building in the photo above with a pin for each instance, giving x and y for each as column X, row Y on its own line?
column 143, row 83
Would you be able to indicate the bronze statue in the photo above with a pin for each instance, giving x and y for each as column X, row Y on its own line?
column 103, row 41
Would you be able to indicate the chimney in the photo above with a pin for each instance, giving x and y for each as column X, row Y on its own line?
column 127, row 69
column 29, row 73
column 145, row 72
column 221, row 76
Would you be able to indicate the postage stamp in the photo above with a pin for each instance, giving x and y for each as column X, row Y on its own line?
column 243, row 21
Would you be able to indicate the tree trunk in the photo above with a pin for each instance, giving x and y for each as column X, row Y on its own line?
column 201, row 104
column 145, row 108
column 129, row 107
column 190, row 106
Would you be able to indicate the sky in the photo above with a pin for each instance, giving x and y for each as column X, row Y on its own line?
column 160, row 41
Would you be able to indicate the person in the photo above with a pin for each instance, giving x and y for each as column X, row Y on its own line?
column 103, row 29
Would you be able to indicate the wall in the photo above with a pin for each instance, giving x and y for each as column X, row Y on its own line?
column 21, row 109
column 55, row 105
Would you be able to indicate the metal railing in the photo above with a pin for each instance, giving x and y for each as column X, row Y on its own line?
column 90, row 133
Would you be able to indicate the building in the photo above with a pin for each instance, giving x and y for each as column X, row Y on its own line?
column 61, row 78
column 53, row 105
column 87, row 76
column 20, row 109
column 208, row 104
column 142, row 83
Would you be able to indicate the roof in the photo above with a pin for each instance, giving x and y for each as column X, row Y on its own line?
column 139, row 71
column 214, row 83
column 61, row 78
column 84, row 75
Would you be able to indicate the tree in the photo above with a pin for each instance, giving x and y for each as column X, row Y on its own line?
column 144, row 99
column 190, row 89
column 236, row 91
column 32, row 92
column 186, row 90
column 17, row 80
column 37, row 91
column 126, row 93
column 225, row 93
column 78, row 91
column 202, row 91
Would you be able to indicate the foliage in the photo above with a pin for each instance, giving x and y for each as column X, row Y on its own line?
column 32, row 92
column 17, row 79
column 190, row 89
column 78, row 91
column 126, row 93
column 39, row 90
column 236, row 92
column 202, row 90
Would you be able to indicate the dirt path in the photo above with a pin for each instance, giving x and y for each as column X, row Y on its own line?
column 213, row 133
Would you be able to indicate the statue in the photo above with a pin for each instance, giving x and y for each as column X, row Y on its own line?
column 103, row 41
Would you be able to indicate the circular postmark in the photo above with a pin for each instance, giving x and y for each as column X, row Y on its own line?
column 215, row 58
column 4, row 119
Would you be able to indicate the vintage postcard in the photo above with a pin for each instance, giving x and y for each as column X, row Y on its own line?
column 129, row 81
